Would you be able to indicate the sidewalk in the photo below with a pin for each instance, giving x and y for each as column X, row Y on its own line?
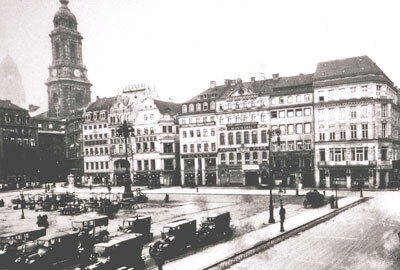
column 216, row 253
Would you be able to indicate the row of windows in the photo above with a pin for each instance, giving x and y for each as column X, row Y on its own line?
column 356, row 154
column 17, row 119
column 197, row 120
column 290, row 113
column 205, row 106
column 20, row 141
column 343, row 113
column 352, row 92
column 97, row 165
column 198, row 133
column 353, row 132
column 200, row 147
column 241, row 105
column 96, row 116
column 143, row 165
column 290, row 99
column 95, row 151
column 244, row 119
column 96, row 136
column 95, row 126
column 236, row 158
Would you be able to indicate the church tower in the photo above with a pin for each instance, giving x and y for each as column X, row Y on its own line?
column 68, row 87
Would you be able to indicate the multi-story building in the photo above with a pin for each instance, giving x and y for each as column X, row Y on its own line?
column 74, row 144
column 19, row 151
column 156, row 143
column 291, row 111
column 242, row 123
column 96, row 142
column 356, row 124
column 198, row 138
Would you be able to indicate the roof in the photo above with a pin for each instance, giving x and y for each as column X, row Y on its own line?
column 57, row 235
column 6, row 104
column 136, row 218
column 119, row 239
column 8, row 234
column 348, row 67
column 88, row 217
column 212, row 94
column 178, row 222
column 101, row 104
column 166, row 107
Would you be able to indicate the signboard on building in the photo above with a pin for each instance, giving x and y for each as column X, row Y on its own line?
column 242, row 126
column 250, row 167
column 199, row 155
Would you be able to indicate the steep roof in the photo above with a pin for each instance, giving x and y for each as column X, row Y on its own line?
column 167, row 107
column 101, row 104
column 6, row 104
column 348, row 67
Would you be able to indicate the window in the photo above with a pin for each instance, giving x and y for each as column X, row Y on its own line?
column 283, row 146
column 340, row 154
column 353, row 131
column 290, row 113
column 282, row 114
column 274, row 114
column 290, row 129
column 322, row 136
column 239, row 158
column 332, row 135
column 205, row 106
column 191, row 132
column 353, row 112
column 206, row 147
column 322, row 154
column 290, row 99
column 192, row 148
column 281, row 100
column 384, row 130
column 198, row 133
column 299, row 128
column 307, row 128
column 199, row 147
column 298, row 98
column 299, row 112
column 230, row 138
column 307, row 97
column 307, row 145
column 331, row 113
column 264, row 156
column 384, row 153
column 169, row 129
column 291, row 145
column 246, row 137
column 384, row 110
column 254, row 137
column 212, row 105
column 198, row 107
column 184, row 134
column 222, row 139
column 273, row 101
column 299, row 145
column 223, row 159
column 263, row 136
column 184, row 108
column 364, row 128
column 255, row 158
column 205, row 133
column 231, row 158
column 238, row 138
column 321, row 96
column 263, row 119
column 343, row 135
column 378, row 91
column 282, row 128
column 212, row 132
column 191, row 108
column 253, row 118
column 247, row 158
column 364, row 90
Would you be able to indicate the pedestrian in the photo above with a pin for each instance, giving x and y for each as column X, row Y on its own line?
column 109, row 188
column 166, row 198
column 332, row 201
column 282, row 214
column 90, row 187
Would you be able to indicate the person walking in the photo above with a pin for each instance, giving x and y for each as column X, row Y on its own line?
column 282, row 214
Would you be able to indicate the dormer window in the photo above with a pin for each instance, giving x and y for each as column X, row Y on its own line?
column 198, row 107
column 205, row 106
column 191, row 108
column 184, row 108
column 212, row 105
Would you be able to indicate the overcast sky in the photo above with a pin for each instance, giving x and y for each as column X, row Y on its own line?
column 181, row 45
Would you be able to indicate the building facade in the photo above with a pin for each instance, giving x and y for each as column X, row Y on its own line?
column 356, row 124
column 19, row 149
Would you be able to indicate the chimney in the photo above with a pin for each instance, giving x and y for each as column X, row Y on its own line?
column 97, row 98
column 253, row 79
column 275, row 76
column 232, row 82
column 227, row 82
column 213, row 84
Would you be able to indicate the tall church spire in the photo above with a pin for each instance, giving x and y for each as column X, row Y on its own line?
column 68, row 85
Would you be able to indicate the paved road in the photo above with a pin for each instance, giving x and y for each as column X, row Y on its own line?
column 364, row 237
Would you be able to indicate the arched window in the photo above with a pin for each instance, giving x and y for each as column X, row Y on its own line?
column 263, row 136
column 191, row 108
column 205, row 106
column 246, row 137
column 55, row 98
column 198, row 107
column 78, row 98
column 222, row 158
column 238, row 137
column 212, row 105
column 239, row 158
column 72, row 51
column 230, row 138
column 222, row 139
column 231, row 158
column 57, row 49
column 184, row 108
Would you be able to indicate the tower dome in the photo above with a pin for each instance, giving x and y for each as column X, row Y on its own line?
column 64, row 17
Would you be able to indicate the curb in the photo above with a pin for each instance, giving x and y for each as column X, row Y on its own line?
column 227, row 262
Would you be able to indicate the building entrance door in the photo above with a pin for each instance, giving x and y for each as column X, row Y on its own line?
column 251, row 179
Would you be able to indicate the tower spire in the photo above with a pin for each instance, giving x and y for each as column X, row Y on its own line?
column 64, row 2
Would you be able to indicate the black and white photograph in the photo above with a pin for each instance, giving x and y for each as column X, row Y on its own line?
column 199, row 135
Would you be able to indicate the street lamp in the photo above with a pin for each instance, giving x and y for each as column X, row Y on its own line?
column 22, row 204
column 360, row 184
column 280, row 196
column 336, row 187
column 125, row 130
column 275, row 132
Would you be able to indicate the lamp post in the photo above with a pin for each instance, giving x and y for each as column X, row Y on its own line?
column 22, row 203
column 280, row 196
column 275, row 132
column 125, row 130
column 360, row 184
column 336, row 187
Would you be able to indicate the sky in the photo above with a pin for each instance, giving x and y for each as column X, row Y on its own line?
column 179, row 46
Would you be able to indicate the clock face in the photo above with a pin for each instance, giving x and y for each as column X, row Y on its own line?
column 54, row 72
column 77, row 73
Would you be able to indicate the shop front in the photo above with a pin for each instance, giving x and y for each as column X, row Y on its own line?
column 338, row 176
column 359, row 177
column 251, row 174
